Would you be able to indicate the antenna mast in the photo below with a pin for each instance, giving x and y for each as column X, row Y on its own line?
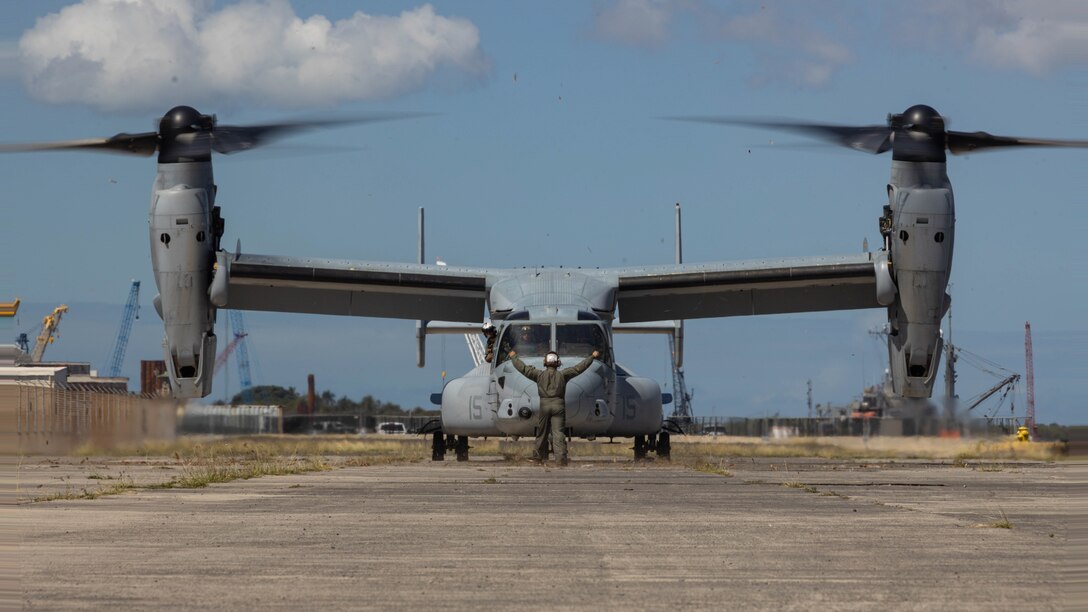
column 681, row 397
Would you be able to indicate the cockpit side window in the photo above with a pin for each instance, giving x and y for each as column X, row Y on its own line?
column 529, row 340
column 580, row 340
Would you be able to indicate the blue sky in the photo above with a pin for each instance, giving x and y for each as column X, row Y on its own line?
column 544, row 150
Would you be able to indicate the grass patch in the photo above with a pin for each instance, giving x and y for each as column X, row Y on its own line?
column 372, row 450
column 793, row 484
column 491, row 480
column 710, row 468
column 122, row 486
column 257, row 448
column 834, row 494
column 1004, row 523
column 201, row 476
column 196, row 476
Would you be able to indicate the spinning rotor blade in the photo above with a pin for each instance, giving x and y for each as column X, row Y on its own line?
column 186, row 135
column 233, row 138
column 916, row 134
column 960, row 143
column 869, row 138
column 143, row 145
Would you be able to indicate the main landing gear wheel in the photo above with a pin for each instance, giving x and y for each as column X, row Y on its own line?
column 438, row 446
column 640, row 448
column 664, row 446
column 462, row 448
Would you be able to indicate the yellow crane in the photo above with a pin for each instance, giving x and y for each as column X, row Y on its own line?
column 8, row 309
column 49, row 332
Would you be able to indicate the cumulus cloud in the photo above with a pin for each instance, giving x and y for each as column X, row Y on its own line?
column 1044, row 37
column 1023, row 35
column 792, row 42
column 788, row 46
column 139, row 54
column 642, row 23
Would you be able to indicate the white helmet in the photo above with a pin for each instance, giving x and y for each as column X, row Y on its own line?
column 551, row 360
column 488, row 327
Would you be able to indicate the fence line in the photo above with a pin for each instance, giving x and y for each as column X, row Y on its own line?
column 238, row 420
column 776, row 427
column 38, row 417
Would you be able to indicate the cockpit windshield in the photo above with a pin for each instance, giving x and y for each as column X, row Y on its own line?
column 580, row 340
column 528, row 340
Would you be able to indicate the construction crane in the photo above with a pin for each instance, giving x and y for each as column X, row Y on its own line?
column 50, row 325
column 9, row 309
column 241, row 350
column 1009, row 381
column 681, row 397
column 120, row 343
column 1029, row 365
column 221, row 360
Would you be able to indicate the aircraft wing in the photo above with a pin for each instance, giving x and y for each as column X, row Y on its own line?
column 729, row 289
column 353, row 288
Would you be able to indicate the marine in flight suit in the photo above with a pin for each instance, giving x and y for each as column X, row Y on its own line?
column 551, row 385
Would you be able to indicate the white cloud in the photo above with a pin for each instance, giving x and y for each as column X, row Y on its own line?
column 1024, row 35
column 1036, row 46
column 788, row 45
column 138, row 54
column 792, row 42
column 641, row 23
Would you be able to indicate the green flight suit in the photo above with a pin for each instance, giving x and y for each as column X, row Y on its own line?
column 551, row 385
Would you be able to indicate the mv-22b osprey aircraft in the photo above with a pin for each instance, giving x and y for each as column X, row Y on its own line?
column 571, row 311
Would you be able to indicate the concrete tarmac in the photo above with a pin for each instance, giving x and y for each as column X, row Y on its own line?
column 776, row 534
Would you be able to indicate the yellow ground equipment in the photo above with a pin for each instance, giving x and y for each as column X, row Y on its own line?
column 50, row 324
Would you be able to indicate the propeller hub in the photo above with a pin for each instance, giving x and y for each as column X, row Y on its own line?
column 184, row 120
column 920, row 118
column 918, row 134
column 180, row 139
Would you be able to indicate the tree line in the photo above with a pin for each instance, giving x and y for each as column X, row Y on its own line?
column 325, row 403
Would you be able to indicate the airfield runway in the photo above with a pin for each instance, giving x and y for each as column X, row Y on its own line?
column 774, row 534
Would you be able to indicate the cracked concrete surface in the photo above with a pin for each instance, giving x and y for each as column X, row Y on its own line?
column 845, row 535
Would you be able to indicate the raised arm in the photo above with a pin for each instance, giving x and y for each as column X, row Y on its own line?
column 582, row 366
column 527, row 371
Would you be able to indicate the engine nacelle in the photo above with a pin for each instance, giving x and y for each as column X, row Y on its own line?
column 182, row 253
column 920, row 238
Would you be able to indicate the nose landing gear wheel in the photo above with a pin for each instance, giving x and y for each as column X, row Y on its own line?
column 640, row 448
column 462, row 448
